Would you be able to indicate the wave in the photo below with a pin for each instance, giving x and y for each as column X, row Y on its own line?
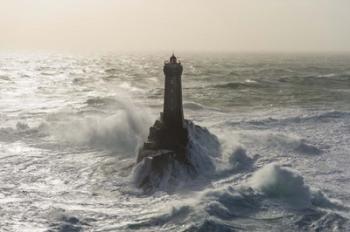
column 129, row 87
column 240, row 160
column 5, row 78
column 271, row 121
column 237, row 85
column 213, row 225
column 270, row 188
column 193, row 106
column 119, row 132
column 291, row 143
column 330, row 76
column 123, row 131
column 234, row 161
column 284, row 143
column 175, row 214
column 231, row 209
column 314, row 220
column 281, row 182
column 101, row 101
column 67, row 224
column 198, row 107
column 62, row 222
column 257, row 205
column 285, row 183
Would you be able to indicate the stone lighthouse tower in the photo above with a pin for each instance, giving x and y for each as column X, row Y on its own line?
column 173, row 117
column 167, row 144
column 168, row 137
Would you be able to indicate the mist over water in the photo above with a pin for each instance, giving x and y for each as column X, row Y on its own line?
column 275, row 155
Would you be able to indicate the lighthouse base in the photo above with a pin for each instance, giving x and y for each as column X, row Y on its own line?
column 166, row 169
column 165, row 146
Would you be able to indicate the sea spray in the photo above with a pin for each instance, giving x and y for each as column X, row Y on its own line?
column 122, row 131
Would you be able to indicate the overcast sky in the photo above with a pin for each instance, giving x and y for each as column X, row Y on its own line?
column 194, row 25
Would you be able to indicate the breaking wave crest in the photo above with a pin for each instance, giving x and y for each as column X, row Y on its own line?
column 261, row 202
column 118, row 132
column 123, row 130
column 281, row 182
column 284, row 183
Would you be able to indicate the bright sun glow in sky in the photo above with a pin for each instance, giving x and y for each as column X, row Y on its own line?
column 194, row 25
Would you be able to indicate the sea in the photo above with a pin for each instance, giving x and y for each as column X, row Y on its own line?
column 271, row 145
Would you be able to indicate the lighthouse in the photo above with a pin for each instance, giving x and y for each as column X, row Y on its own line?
column 168, row 137
column 168, row 152
column 173, row 116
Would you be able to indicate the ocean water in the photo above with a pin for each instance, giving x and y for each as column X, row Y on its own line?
column 274, row 156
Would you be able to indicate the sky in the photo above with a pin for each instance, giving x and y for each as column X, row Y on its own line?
column 181, row 25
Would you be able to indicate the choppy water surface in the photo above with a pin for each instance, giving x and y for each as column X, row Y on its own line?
column 70, row 128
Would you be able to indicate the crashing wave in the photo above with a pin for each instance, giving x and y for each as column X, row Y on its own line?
column 281, row 182
column 285, row 142
column 285, row 183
